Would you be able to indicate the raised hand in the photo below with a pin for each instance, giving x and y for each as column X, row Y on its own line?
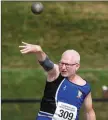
column 29, row 48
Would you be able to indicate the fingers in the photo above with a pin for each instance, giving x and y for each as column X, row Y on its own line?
column 22, row 46
column 26, row 50
column 25, row 43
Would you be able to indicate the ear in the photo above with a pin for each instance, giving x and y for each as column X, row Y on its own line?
column 77, row 66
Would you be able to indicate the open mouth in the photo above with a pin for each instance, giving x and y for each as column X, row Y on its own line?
column 63, row 71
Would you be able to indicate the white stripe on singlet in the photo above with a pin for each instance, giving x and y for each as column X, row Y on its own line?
column 58, row 90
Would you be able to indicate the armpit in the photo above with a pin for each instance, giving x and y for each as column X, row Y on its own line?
column 53, row 74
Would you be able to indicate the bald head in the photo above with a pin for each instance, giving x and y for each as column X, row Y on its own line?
column 72, row 55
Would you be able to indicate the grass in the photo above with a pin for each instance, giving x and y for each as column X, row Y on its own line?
column 80, row 26
column 29, row 83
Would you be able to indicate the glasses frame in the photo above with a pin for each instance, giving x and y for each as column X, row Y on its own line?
column 66, row 64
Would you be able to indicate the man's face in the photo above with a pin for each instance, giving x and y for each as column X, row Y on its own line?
column 67, row 66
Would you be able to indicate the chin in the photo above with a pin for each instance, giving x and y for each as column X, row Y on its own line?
column 64, row 75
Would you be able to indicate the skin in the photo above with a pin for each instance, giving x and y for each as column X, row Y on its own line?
column 68, row 66
column 89, row 112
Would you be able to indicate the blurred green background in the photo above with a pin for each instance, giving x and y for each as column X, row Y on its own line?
column 82, row 26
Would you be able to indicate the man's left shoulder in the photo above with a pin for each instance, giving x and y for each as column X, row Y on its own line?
column 83, row 81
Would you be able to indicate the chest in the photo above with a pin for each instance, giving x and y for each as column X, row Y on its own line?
column 69, row 93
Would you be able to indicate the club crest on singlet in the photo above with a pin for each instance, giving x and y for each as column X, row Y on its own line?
column 79, row 94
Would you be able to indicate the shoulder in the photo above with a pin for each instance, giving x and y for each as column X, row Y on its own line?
column 85, row 86
column 80, row 81
column 83, row 82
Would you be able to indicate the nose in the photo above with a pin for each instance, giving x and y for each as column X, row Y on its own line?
column 63, row 66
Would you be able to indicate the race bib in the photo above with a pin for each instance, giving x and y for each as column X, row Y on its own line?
column 65, row 111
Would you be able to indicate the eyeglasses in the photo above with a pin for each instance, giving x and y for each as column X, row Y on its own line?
column 66, row 64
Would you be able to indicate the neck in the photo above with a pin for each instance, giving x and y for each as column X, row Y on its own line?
column 72, row 77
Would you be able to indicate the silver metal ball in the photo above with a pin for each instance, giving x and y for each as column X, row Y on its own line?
column 37, row 8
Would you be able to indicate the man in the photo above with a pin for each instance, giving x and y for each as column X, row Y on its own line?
column 65, row 91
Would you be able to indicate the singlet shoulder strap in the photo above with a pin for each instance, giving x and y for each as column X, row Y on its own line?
column 88, row 88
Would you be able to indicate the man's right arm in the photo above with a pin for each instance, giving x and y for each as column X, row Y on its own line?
column 45, row 62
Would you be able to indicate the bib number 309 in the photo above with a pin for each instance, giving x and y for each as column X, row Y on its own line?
column 65, row 111
column 65, row 114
